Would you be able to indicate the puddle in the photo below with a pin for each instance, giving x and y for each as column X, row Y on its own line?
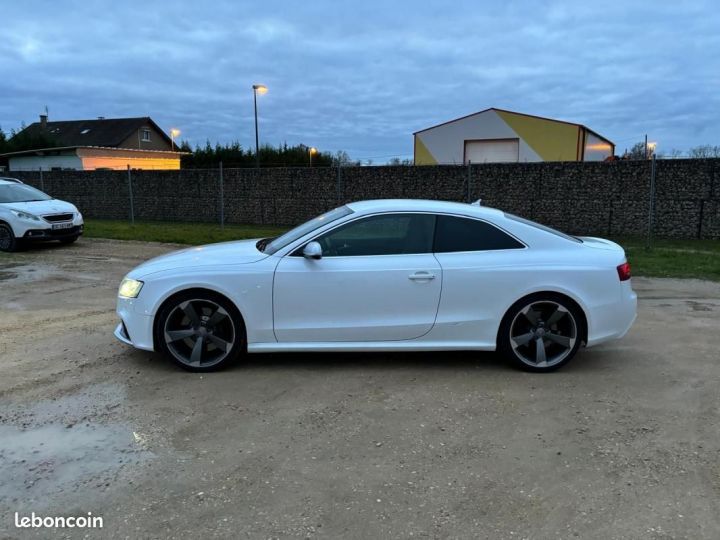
column 71, row 445
column 40, row 463
column 699, row 306
column 24, row 273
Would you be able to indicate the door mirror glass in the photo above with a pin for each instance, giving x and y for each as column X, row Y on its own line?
column 312, row 250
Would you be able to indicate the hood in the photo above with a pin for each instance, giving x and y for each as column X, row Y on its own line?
column 224, row 253
column 42, row 208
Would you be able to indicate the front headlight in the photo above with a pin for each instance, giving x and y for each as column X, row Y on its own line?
column 24, row 215
column 130, row 288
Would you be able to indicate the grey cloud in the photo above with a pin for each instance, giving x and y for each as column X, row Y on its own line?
column 363, row 78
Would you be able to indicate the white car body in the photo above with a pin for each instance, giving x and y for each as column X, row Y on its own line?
column 39, row 220
column 422, row 302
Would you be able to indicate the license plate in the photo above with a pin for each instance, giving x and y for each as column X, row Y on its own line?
column 58, row 226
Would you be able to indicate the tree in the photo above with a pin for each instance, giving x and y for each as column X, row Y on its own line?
column 3, row 141
column 398, row 162
column 342, row 159
column 704, row 151
column 672, row 154
column 233, row 155
column 639, row 151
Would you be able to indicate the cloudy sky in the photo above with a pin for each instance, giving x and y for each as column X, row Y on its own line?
column 362, row 76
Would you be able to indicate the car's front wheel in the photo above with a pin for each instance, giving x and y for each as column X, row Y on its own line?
column 8, row 242
column 200, row 331
column 541, row 332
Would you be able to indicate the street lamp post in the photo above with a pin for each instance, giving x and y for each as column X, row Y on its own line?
column 257, row 89
column 174, row 132
column 312, row 150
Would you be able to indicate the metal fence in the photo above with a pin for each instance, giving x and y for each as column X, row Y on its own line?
column 669, row 198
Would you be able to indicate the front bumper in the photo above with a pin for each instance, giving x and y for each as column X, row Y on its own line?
column 135, row 329
column 40, row 235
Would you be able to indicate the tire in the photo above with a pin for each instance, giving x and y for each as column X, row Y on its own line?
column 541, row 332
column 8, row 242
column 70, row 240
column 203, row 317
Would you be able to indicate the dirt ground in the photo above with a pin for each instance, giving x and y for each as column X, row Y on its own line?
column 622, row 443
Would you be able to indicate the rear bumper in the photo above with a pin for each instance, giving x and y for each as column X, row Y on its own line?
column 613, row 320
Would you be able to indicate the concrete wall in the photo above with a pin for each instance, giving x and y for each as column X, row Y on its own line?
column 64, row 160
column 581, row 198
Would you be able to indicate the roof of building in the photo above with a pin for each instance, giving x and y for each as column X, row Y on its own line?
column 107, row 132
column 520, row 114
column 41, row 151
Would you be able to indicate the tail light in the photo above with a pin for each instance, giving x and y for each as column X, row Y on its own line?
column 624, row 271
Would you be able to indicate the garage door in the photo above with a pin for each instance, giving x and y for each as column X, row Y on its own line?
column 491, row 151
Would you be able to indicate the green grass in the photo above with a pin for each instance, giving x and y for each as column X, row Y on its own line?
column 667, row 258
column 673, row 258
column 178, row 233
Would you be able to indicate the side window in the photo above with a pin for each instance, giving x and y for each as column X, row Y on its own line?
column 464, row 234
column 388, row 234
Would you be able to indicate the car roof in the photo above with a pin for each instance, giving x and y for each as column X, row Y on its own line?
column 422, row 205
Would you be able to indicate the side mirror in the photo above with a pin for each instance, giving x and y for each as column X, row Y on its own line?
column 312, row 250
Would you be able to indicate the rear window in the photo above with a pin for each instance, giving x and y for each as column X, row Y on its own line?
column 543, row 228
column 463, row 234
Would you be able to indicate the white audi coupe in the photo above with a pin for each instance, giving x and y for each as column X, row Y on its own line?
column 385, row 275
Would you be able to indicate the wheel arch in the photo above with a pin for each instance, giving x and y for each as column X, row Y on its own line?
column 199, row 290
column 564, row 294
column 5, row 222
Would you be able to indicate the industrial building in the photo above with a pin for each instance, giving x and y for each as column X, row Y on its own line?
column 497, row 135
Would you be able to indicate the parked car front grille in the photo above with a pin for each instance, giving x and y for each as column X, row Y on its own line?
column 58, row 217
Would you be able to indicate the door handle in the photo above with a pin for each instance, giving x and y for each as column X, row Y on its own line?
column 420, row 276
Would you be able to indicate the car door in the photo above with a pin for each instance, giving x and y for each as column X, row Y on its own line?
column 484, row 270
column 377, row 280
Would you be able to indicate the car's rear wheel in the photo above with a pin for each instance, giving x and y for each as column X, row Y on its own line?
column 8, row 242
column 541, row 332
column 200, row 331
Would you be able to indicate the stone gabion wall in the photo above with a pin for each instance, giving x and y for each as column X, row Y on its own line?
column 607, row 199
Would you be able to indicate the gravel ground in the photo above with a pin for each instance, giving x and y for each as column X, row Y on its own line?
column 622, row 443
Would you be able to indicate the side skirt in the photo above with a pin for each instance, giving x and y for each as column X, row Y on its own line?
column 369, row 346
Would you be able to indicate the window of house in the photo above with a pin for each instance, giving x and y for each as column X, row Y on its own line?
column 145, row 134
column 387, row 234
column 464, row 234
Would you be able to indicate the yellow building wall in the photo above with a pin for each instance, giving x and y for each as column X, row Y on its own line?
column 422, row 154
column 552, row 141
column 97, row 158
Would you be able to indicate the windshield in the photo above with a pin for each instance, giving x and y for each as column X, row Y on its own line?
column 543, row 227
column 11, row 193
column 307, row 227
